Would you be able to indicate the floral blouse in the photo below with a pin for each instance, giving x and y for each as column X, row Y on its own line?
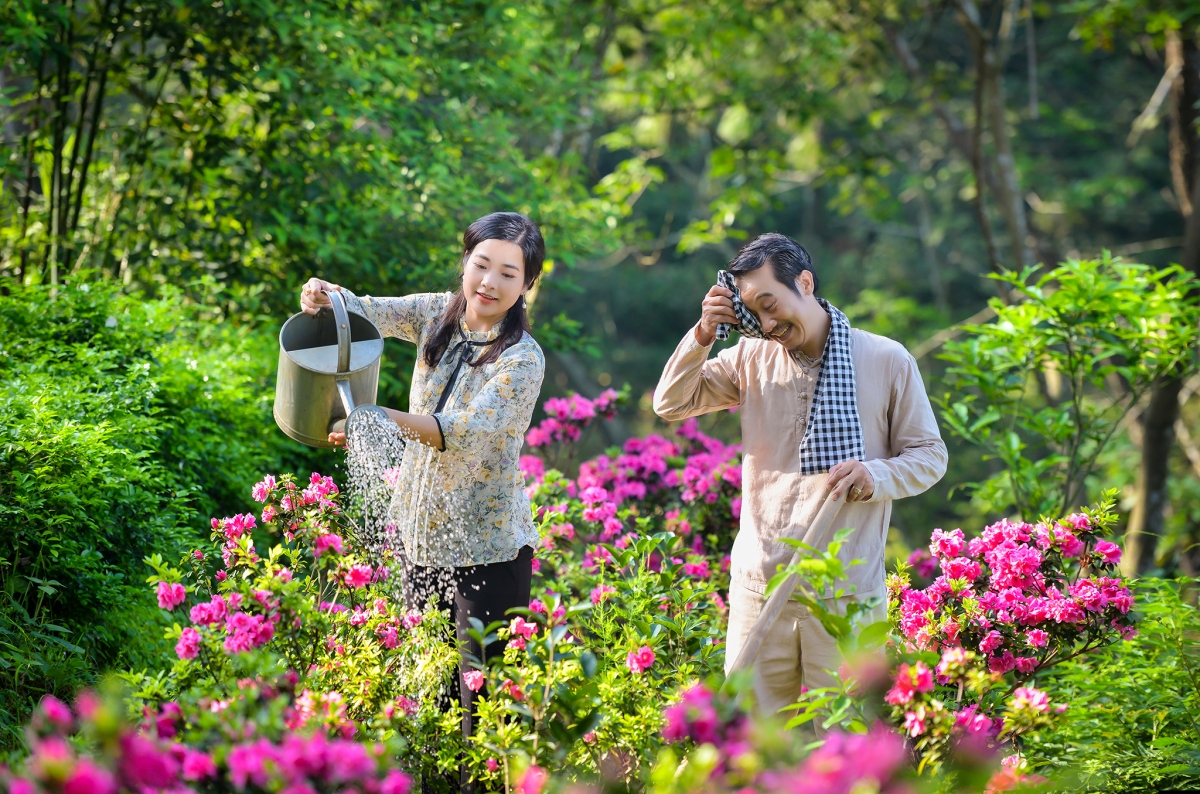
column 465, row 505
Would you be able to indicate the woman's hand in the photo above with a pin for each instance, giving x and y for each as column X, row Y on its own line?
column 851, row 479
column 313, row 297
column 338, row 439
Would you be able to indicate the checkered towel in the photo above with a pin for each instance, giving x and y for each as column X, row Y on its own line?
column 747, row 321
column 834, row 431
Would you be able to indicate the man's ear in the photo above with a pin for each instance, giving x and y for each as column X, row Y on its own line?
column 805, row 282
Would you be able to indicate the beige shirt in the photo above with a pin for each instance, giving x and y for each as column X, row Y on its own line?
column 904, row 450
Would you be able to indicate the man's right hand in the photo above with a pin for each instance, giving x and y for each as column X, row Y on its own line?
column 717, row 308
column 313, row 297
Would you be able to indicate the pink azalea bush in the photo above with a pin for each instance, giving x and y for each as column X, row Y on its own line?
column 1006, row 606
column 92, row 749
column 294, row 652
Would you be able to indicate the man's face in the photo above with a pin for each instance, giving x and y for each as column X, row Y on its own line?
column 788, row 318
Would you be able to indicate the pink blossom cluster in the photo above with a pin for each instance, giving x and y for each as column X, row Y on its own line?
column 566, row 418
column 1018, row 593
column 641, row 660
column 1015, row 599
column 148, row 760
column 695, row 717
column 171, row 595
column 519, row 631
column 847, row 763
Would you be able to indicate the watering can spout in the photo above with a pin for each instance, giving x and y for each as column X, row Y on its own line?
column 328, row 367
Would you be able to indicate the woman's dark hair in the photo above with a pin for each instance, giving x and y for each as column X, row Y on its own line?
column 511, row 227
column 787, row 257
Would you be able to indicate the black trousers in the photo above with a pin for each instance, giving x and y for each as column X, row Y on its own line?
column 485, row 592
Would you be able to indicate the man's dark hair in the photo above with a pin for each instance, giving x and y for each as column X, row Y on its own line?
column 787, row 257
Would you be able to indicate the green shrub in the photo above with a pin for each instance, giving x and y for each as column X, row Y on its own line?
column 1134, row 719
column 122, row 422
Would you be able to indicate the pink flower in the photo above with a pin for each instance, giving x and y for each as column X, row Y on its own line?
column 594, row 495
column 961, row 568
column 171, row 595
column 914, row 722
column 246, row 632
column 602, row 593
column 1036, row 638
column 532, row 780
column 197, row 765
column 924, row 563
column 521, row 628
column 396, row 782
column 1002, row 663
column 87, row 778
column 189, row 644
column 1068, row 542
column 56, row 712
column 326, row 542
column 268, row 514
column 946, row 544
column 1026, row 697
column 388, row 636
column 910, row 680
column 473, row 679
column 411, row 620
column 1108, row 550
column 990, row 642
column 208, row 612
column 640, row 660
column 358, row 576
column 1026, row 664
column 262, row 491
column 492, row 765
column 144, row 765
column 1079, row 522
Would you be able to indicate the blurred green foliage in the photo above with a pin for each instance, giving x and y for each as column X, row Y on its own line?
column 123, row 422
column 1044, row 386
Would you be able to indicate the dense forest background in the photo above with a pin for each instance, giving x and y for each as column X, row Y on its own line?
column 217, row 154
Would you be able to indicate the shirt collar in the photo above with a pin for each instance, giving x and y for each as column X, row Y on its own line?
column 479, row 336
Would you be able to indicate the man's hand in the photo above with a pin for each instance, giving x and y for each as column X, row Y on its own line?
column 851, row 479
column 717, row 308
column 313, row 297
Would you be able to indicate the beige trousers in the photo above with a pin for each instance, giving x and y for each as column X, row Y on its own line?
column 797, row 651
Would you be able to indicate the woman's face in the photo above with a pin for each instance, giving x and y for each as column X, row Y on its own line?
column 493, row 280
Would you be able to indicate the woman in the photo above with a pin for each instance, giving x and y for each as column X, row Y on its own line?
column 462, row 517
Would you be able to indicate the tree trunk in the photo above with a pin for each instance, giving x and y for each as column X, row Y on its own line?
column 1158, row 421
column 991, row 53
column 1158, row 438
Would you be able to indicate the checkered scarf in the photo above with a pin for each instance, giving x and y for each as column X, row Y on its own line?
column 834, row 431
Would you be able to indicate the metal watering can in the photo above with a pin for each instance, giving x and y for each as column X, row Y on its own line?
column 328, row 366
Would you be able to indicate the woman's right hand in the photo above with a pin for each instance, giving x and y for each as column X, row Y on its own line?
column 313, row 297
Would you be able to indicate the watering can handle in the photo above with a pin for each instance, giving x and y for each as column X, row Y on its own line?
column 342, row 318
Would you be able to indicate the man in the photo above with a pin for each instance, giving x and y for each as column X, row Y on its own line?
column 824, row 409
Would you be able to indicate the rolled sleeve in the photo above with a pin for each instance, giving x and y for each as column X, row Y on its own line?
column 919, row 455
column 692, row 384
column 501, row 409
